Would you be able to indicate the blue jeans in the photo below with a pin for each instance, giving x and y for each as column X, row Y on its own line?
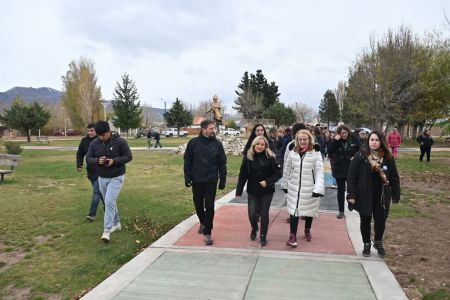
column 158, row 143
column 96, row 197
column 110, row 189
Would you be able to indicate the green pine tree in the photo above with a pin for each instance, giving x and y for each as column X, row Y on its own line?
column 329, row 108
column 126, row 105
column 178, row 116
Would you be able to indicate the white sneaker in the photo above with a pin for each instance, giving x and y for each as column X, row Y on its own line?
column 105, row 237
column 116, row 227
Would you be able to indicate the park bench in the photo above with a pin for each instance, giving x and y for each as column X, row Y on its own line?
column 42, row 138
column 10, row 161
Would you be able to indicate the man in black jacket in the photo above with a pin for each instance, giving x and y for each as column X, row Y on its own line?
column 109, row 154
column 204, row 163
column 91, row 170
column 341, row 151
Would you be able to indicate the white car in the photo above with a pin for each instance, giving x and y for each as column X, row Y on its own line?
column 170, row 132
column 230, row 131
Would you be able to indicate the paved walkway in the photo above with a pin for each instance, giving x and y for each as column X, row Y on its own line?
column 180, row 266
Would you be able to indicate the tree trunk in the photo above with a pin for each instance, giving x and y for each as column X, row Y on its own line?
column 28, row 136
column 414, row 131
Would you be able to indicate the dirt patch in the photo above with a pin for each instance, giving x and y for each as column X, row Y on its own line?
column 8, row 259
column 418, row 247
column 13, row 293
column 42, row 239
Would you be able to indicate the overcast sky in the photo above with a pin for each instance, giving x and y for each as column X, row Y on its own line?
column 195, row 49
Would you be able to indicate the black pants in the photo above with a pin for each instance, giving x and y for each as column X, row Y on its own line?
column 204, row 195
column 379, row 223
column 293, row 221
column 341, row 193
column 424, row 150
column 259, row 205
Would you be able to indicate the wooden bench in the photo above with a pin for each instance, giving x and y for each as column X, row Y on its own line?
column 9, row 160
column 42, row 138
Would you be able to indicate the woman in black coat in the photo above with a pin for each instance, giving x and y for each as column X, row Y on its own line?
column 372, row 182
column 261, row 170
column 341, row 150
column 258, row 130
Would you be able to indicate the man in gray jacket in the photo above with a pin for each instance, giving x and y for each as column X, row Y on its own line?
column 109, row 154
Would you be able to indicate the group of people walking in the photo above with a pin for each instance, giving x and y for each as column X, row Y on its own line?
column 367, row 172
column 364, row 168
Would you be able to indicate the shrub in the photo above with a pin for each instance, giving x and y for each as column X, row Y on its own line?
column 13, row 148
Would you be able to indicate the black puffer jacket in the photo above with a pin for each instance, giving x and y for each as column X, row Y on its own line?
column 205, row 161
column 254, row 171
column 83, row 149
column 340, row 153
column 116, row 148
column 362, row 182
column 425, row 140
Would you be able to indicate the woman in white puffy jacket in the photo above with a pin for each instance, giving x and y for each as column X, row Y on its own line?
column 303, row 181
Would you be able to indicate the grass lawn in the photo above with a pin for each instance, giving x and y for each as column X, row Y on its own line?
column 132, row 141
column 43, row 208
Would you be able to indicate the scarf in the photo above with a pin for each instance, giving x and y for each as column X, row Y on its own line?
column 375, row 158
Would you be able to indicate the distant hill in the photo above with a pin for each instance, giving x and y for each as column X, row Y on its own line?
column 29, row 94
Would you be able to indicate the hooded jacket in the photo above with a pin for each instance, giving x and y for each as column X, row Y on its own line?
column 116, row 148
column 302, row 176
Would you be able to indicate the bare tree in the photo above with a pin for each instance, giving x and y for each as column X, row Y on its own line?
column 340, row 92
column 248, row 103
column 304, row 112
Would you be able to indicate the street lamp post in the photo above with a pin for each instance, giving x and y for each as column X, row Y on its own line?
column 104, row 103
column 165, row 111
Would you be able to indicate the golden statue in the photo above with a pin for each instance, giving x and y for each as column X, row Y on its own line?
column 216, row 109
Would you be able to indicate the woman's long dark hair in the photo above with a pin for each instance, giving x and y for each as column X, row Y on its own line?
column 383, row 146
column 252, row 137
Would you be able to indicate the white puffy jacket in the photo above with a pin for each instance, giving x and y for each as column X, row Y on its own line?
column 301, row 177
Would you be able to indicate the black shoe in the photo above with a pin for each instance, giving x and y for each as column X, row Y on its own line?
column 380, row 248
column 340, row 215
column 263, row 241
column 366, row 251
column 208, row 240
column 253, row 234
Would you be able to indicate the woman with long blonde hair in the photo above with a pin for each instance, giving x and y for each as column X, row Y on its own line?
column 303, row 181
column 260, row 170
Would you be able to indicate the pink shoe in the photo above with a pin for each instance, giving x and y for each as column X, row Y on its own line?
column 308, row 236
column 292, row 241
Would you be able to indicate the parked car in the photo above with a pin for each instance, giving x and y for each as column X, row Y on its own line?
column 170, row 132
column 364, row 129
column 230, row 131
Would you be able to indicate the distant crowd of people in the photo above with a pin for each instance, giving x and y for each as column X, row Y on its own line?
column 362, row 163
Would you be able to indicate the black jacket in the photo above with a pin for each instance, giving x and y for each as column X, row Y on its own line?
column 256, row 170
column 117, row 149
column 81, row 153
column 361, row 184
column 340, row 155
column 280, row 153
column 425, row 140
column 205, row 161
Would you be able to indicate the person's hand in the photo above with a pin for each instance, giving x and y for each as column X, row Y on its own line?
column 221, row 185
column 79, row 169
column 284, row 190
column 351, row 200
column 395, row 201
column 111, row 162
column 101, row 160
column 263, row 183
column 337, row 137
column 188, row 183
column 237, row 197
column 316, row 195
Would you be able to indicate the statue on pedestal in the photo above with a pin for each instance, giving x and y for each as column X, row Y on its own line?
column 216, row 110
